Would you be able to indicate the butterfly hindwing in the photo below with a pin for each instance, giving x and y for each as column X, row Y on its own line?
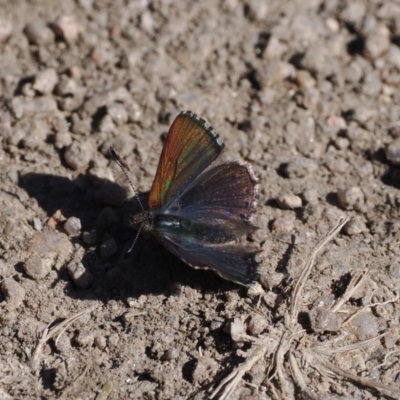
column 233, row 262
column 191, row 146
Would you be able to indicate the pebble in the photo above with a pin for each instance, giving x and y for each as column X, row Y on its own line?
column 372, row 84
column 6, row 27
column 45, row 81
column 392, row 336
column 256, row 324
column 354, row 12
column 300, row 167
column 393, row 152
column 13, row 293
column 62, row 140
column 170, row 354
column 324, row 320
column 205, row 370
column 37, row 224
column 118, row 113
column 84, row 339
column 100, row 342
column 73, row 226
column 305, row 80
column 355, row 227
column 106, row 124
column 107, row 218
column 25, row 106
column 63, row 344
column 80, row 275
column 393, row 56
column 89, row 238
column 277, row 71
column 108, row 248
column 353, row 72
column 236, row 328
column 289, row 201
column 78, row 155
column 113, row 339
column 352, row 198
column 68, row 28
column 284, row 223
column 394, row 270
column 38, row 32
column 376, row 42
column 318, row 60
column 271, row 298
column 35, row 268
column 310, row 197
column 364, row 326
column 67, row 87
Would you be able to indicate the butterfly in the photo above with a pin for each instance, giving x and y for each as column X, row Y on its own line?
column 197, row 211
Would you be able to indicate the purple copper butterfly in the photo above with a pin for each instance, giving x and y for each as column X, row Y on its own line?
column 197, row 212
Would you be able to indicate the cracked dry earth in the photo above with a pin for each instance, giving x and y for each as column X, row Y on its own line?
column 305, row 91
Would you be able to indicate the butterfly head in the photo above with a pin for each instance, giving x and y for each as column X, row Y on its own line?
column 143, row 219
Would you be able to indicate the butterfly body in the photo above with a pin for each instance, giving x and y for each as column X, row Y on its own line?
column 198, row 212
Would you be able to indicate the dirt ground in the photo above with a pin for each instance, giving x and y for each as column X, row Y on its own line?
column 305, row 91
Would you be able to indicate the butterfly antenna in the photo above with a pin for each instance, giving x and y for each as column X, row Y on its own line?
column 136, row 238
column 119, row 163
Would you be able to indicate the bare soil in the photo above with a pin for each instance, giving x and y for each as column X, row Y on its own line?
column 305, row 91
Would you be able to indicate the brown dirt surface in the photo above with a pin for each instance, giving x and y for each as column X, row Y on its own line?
column 305, row 91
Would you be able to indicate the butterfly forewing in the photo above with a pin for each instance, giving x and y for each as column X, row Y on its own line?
column 191, row 146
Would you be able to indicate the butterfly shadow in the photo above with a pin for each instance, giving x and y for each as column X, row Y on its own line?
column 148, row 268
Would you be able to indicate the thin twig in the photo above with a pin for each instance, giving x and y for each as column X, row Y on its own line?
column 307, row 269
column 51, row 332
column 299, row 378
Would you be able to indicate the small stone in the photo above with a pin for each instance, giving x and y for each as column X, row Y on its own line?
column 300, row 167
column 22, row 106
column 277, row 71
column 216, row 324
column 353, row 72
column 90, row 238
column 118, row 113
column 376, row 42
column 68, row 28
column 352, row 198
column 62, row 140
column 391, row 337
column 354, row 12
column 38, row 32
column 364, row 326
column 72, row 226
column 355, row 227
column 37, row 224
column 100, row 342
column 289, row 201
column 324, row 320
column 113, row 340
column 256, row 324
column 305, row 80
column 13, row 293
column 372, row 84
column 170, row 354
column 80, row 275
column 271, row 298
column 318, row 60
column 393, row 56
column 63, row 344
column 78, row 155
column 204, row 371
column 107, row 218
column 394, row 270
column 35, row 268
column 236, row 329
column 310, row 197
column 284, row 223
column 106, row 124
column 84, row 339
column 108, row 248
column 45, row 81
column 393, row 152
column 5, row 28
